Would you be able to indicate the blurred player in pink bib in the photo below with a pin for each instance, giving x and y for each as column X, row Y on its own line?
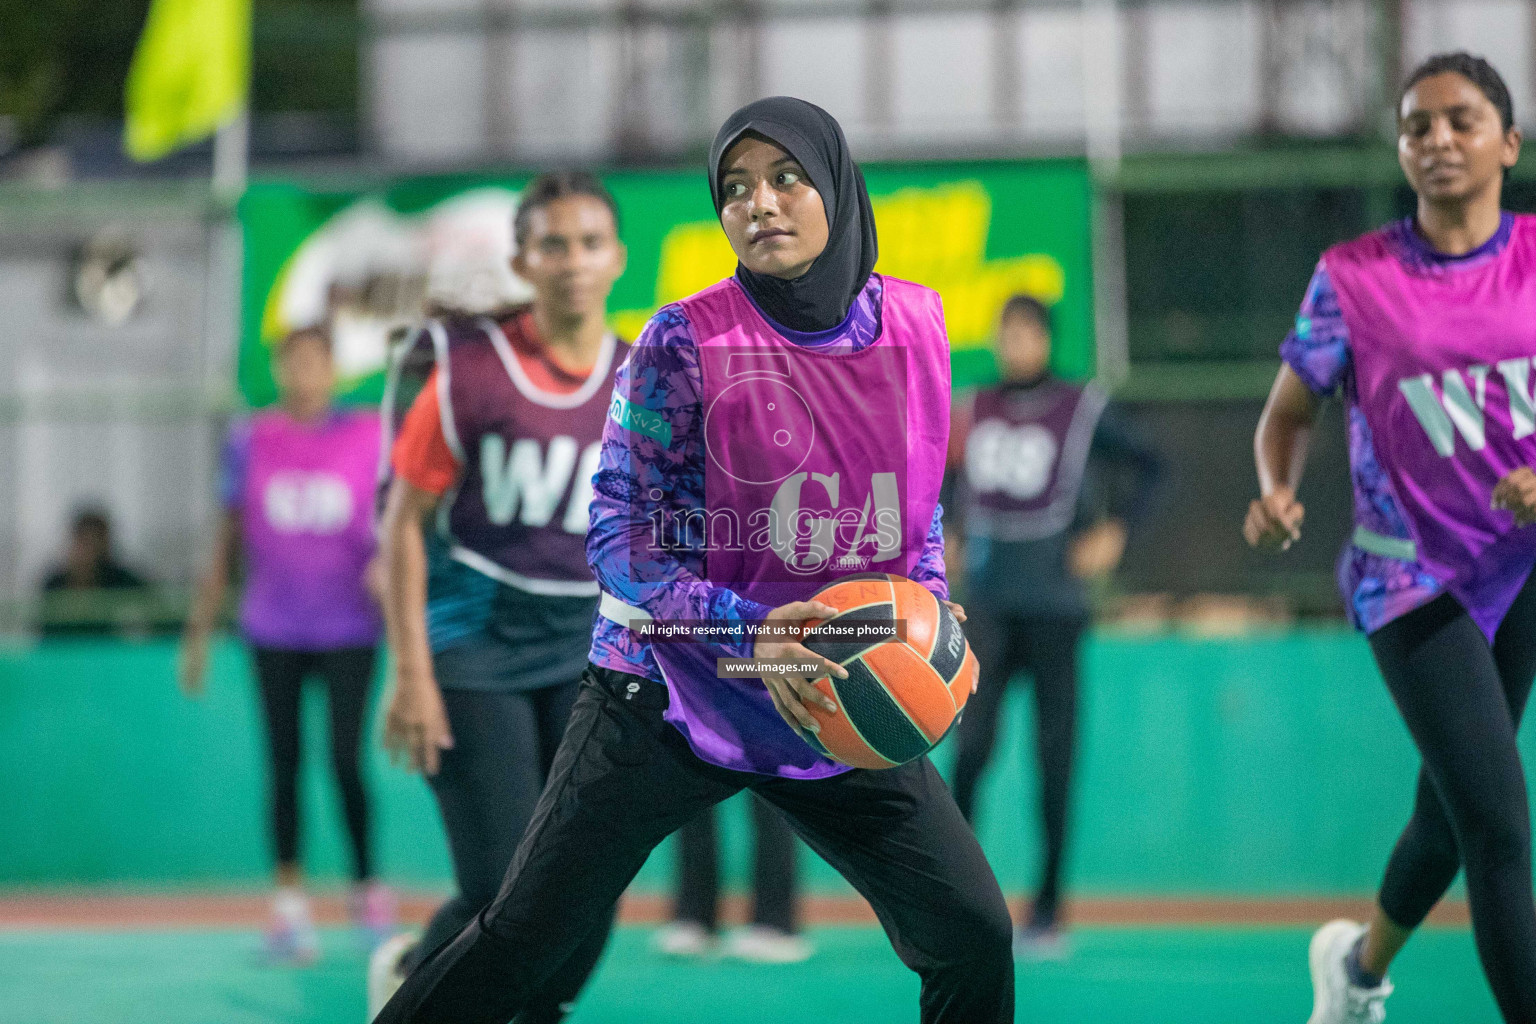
column 297, row 486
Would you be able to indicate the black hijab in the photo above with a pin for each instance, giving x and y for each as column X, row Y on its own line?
column 819, row 299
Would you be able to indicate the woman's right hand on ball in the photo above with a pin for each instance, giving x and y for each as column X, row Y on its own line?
column 416, row 725
column 1274, row 521
column 794, row 695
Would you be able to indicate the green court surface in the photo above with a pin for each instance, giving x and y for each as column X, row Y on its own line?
column 1122, row 975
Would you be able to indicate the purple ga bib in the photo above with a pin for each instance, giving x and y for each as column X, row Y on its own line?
column 1443, row 369
column 307, row 530
column 818, row 465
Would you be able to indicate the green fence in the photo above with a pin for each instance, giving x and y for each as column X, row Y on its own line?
column 369, row 257
column 1266, row 765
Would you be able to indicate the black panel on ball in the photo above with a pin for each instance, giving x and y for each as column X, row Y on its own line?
column 843, row 651
column 949, row 648
column 884, row 726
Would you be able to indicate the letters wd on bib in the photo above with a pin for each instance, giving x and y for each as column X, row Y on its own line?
column 528, row 456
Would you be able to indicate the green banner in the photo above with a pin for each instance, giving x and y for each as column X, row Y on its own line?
column 369, row 261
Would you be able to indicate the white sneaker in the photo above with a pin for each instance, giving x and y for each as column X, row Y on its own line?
column 384, row 974
column 684, row 939
column 291, row 939
column 1334, row 999
column 374, row 909
column 1041, row 943
column 760, row 944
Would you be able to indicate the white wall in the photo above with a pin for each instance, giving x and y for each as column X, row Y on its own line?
column 113, row 416
column 1194, row 78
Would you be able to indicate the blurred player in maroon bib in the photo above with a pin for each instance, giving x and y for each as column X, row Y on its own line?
column 490, row 608
column 1024, row 448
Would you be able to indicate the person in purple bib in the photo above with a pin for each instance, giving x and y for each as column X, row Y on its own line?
column 1428, row 327
column 297, row 483
column 804, row 389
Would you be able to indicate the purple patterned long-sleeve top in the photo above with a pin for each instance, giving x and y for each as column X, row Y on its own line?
column 1376, row 588
column 652, row 471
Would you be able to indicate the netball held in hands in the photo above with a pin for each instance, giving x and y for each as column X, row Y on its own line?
column 900, row 696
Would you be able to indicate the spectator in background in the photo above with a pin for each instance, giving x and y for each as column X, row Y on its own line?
column 89, row 562
column 91, row 593
column 1022, row 450
column 298, row 483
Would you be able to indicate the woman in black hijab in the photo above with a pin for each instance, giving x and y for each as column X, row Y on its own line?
column 820, row 298
column 695, row 434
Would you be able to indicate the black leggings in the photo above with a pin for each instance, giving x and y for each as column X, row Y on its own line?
column 487, row 786
column 1462, row 702
column 773, row 870
column 624, row 778
column 1047, row 649
column 347, row 674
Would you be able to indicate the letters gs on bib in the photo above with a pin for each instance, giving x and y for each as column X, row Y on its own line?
column 1016, row 460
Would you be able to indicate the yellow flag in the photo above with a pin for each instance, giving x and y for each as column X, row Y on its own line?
column 191, row 74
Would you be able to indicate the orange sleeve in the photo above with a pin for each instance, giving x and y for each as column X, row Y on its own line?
column 962, row 415
column 421, row 456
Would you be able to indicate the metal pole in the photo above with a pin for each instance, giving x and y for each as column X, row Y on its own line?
column 496, row 86
column 750, row 37
column 1393, row 48
column 226, row 253
column 231, row 158
column 1102, row 105
column 879, row 56
column 631, row 134
column 1007, row 75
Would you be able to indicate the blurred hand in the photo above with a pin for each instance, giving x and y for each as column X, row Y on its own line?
column 376, row 579
column 1097, row 550
column 192, row 664
column 416, row 725
column 954, row 562
column 1274, row 521
column 1517, row 493
column 792, row 695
